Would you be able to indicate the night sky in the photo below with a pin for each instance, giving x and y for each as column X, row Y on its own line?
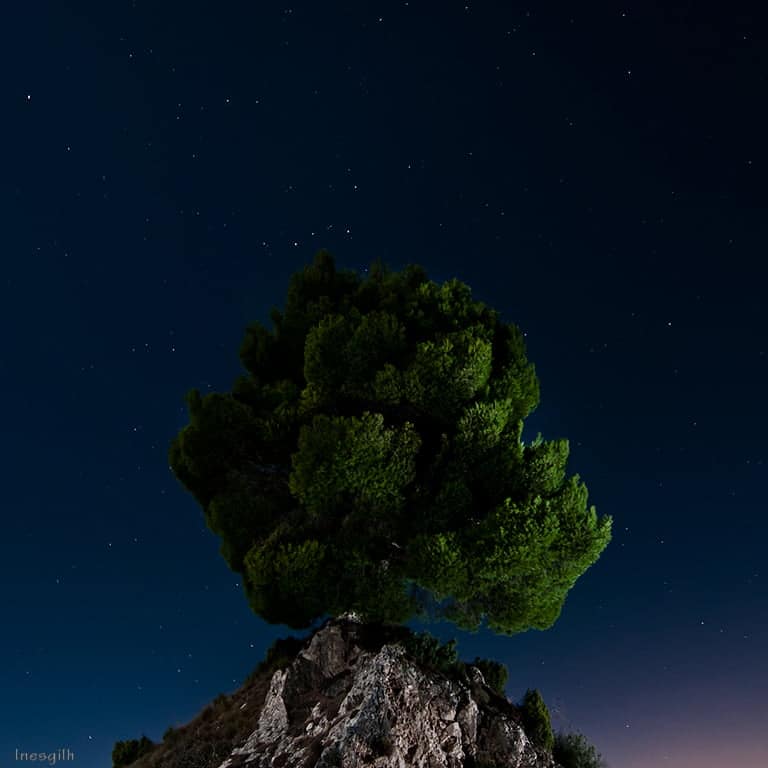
column 597, row 172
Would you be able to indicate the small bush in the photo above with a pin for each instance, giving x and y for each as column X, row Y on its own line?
column 494, row 672
column 572, row 750
column 429, row 652
column 536, row 721
column 127, row 752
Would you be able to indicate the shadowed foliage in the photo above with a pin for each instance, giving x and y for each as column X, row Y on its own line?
column 127, row 752
column 572, row 750
column 495, row 673
column 371, row 460
column 536, row 720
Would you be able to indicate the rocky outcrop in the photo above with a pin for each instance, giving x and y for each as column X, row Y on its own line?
column 347, row 696
column 342, row 704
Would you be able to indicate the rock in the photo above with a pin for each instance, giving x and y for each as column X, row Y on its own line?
column 390, row 714
column 342, row 703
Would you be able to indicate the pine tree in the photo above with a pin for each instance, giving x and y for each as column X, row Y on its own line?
column 371, row 460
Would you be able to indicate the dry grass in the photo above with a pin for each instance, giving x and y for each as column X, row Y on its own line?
column 208, row 739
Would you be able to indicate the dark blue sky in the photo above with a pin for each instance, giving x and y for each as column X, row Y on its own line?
column 596, row 173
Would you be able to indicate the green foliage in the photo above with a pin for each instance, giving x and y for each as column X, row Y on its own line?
column 572, row 750
column 359, row 461
column 427, row 651
column 286, row 579
column 126, row 752
column 494, row 672
column 536, row 721
column 371, row 460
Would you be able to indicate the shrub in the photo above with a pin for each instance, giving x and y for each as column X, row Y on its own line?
column 428, row 651
column 572, row 750
column 127, row 752
column 536, row 721
column 494, row 672
column 282, row 652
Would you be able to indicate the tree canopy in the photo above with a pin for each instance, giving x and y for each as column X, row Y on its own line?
column 372, row 460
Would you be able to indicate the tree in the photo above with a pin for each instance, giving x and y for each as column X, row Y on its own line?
column 536, row 720
column 572, row 750
column 371, row 460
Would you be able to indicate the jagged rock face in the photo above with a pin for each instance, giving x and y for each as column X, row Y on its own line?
column 339, row 706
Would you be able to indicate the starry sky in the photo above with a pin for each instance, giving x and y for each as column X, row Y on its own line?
column 596, row 171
